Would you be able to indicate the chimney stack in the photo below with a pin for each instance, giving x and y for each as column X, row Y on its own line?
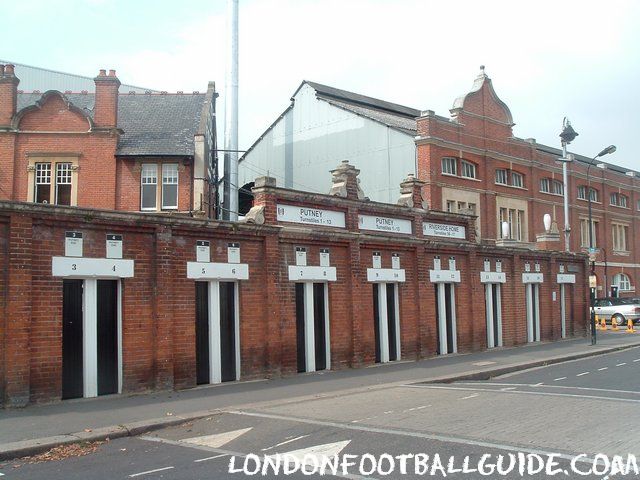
column 8, row 94
column 106, row 107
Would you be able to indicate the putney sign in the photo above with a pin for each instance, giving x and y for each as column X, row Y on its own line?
column 385, row 224
column 311, row 216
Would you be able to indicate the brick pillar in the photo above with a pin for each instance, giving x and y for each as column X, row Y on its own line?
column 8, row 94
column 264, row 202
column 163, row 309
column 18, row 320
column 476, row 310
column 358, row 282
column 106, row 107
column 411, row 193
column 274, row 298
column 346, row 182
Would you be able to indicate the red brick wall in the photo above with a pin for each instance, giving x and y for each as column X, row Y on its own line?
column 158, row 303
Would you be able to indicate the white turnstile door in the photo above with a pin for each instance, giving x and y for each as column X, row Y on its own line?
column 312, row 326
column 386, row 322
column 446, row 318
column 493, row 305
column 533, row 311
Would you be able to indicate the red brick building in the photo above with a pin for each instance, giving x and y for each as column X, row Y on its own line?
column 107, row 149
column 96, row 302
column 471, row 163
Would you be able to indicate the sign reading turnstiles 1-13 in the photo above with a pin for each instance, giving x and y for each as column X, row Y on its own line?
column 312, row 216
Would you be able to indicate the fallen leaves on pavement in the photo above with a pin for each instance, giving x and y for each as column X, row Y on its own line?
column 62, row 452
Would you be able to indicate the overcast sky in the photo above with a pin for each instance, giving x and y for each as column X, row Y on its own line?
column 547, row 59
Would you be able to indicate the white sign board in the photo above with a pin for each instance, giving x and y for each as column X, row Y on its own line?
column 233, row 253
column 320, row 274
column 444, row 276
column 114, row 246
column 301, row 256
column 91, row 267
column 385, row 275
column 217, row 271
column 532, row 277
column 73, row 244
column 430, row 229
column 203, row 252
column 325, row 260
column 566, row 278
column 493, row 277
column 377, row 260
column 311, row 216
column 384, row 224
column 395, row 261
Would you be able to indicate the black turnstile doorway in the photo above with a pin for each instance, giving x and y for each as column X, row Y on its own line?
column 446, row 318
column 386, row 322
column 90, row 357
column 493, row 314
column 312, row 327
column 533, row 312
column 217, row 335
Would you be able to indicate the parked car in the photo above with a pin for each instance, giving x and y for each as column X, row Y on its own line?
column 618, row 310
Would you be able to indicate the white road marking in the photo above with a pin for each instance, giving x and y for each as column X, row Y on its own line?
column 537, row 384
column 603, row 368
column 636, row 360
column 216, row 440
column 550, row 386
column 423, row 406
column 284, row 443
column 560, row 378
column 150, row 471
column 520, row 392
column 483, row 364
column 583, row 373
column 412, row 434
column 470, row 396
column 388, row 412
column 211, row 458
column 319, row 452
column 508, row 389
column 621, row 364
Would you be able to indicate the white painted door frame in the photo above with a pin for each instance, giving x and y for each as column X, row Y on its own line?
column 309, row 327
column 90, row 336
column 383, row 320
column 563, row 311
column 489, row 314
column 215, row 347
column 442, row 319
column 533, row 312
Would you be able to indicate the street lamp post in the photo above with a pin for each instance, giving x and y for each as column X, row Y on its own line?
column 567, row 136
column 606, row 151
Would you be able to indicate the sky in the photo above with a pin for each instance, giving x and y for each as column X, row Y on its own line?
column 547, row 59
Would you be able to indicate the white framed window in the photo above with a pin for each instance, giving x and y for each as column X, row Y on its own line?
column 42, row 191
column 623, row 282
column 170, row 186
column 472, row 208
column 557, row 187
column 451, row 206
column 584, row 232
column 450, row 165
column 638, row 205
column 149, row 187
column 613, row 199
column 501, row 176
column 545, row 185
column 517, row 180
column 468, row 169
column 623, row 201
column 53, row 183
column 516, row 219
column 619, row 234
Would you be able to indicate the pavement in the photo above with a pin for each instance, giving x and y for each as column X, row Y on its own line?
column 37, row 428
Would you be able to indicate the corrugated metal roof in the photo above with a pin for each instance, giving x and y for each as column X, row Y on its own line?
column 43, row 79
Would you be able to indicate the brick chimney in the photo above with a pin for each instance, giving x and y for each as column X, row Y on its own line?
column 411, row 193
column 8, row 94
column 106, row 108
column 346, row 182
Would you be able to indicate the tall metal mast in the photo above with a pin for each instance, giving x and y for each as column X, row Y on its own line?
column 231, row 116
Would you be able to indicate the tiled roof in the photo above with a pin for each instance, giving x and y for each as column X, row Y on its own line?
column 153, row 124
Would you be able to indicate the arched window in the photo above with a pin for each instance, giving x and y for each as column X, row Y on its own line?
column 622, row 281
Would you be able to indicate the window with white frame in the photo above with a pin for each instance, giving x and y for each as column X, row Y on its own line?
column 149, row 187
column 623, row 201
column 545, row 185
column 468, row 169
column 515, row 219
column 613, row 199
column 501, row 176
column 450, row 165
column 623, row 282
column 517, row 179
column 638, row 205
column 170, row 186
column 619, row 234
column 557, row 187
column 584, row 232
column 451, row 206
column 53, row 183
